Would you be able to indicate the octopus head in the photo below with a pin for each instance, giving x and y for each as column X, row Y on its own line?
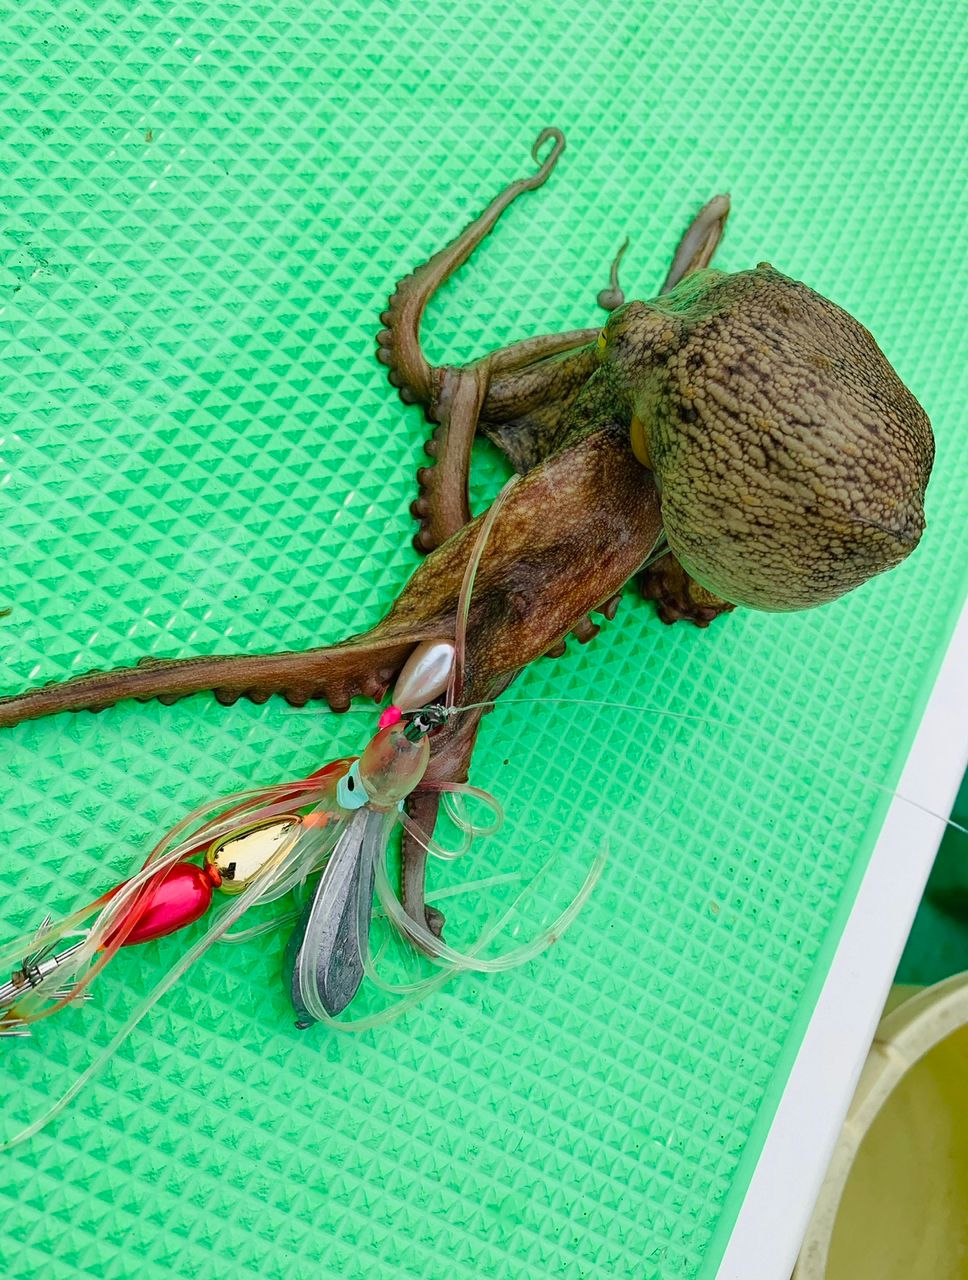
column 791, row 459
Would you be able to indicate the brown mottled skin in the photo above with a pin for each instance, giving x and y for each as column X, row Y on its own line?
column 749, row 423
column 791, row 459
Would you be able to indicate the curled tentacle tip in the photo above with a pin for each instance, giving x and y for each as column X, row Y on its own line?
column 717, row 210
column 551, row 160
column 611, row 299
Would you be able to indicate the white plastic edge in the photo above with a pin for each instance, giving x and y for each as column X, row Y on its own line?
column 773, row 1219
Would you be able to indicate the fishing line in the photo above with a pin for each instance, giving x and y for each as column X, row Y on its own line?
column 645, row 709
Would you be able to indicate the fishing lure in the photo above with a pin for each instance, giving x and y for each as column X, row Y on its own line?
column 257, row 846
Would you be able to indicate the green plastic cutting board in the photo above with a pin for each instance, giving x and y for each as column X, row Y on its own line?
column 205, row 206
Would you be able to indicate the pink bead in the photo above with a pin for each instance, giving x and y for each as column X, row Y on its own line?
column 183, row 896
column 391, row 715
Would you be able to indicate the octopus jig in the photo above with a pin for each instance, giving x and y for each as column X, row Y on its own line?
column 259, row 845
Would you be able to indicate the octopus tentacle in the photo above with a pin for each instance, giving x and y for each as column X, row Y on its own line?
column 360, row 667
column 525, row 407
column 613, row 297
column 700, row 241
column 587, row 628
column 442, row 505
column 516, row 396
column 503, row 401
column 527, row 399
column 454, row 397
column 452, row 746
column 679, row 598
column 561, row 521
column 525, row 356
column 422, row 807
column 399, row 343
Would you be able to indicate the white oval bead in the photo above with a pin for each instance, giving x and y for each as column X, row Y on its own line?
column 425, row 674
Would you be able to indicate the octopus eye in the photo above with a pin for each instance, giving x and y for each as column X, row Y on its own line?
column 602, row 340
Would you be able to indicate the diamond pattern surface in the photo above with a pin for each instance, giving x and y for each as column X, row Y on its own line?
column 204, row 209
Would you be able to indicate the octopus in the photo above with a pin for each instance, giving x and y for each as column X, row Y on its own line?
column 737, row 440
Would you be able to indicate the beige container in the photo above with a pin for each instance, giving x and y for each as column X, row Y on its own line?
column 894, row 1205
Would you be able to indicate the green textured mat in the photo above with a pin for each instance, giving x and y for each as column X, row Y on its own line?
column 205, row 207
